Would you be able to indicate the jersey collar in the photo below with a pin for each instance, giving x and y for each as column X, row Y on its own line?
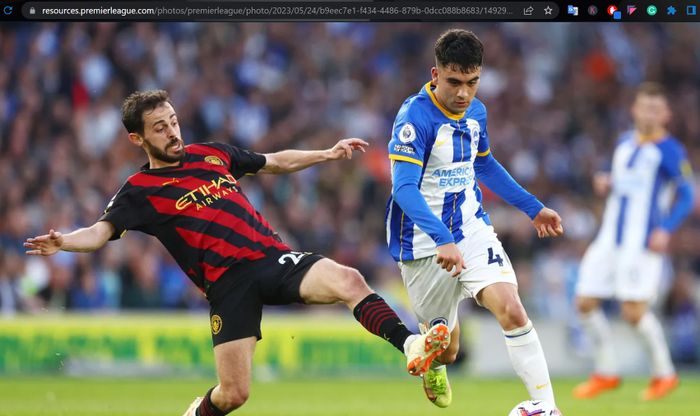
column 444, row 111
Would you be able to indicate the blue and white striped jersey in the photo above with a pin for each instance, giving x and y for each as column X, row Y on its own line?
column 444, row 146
column 645, row 177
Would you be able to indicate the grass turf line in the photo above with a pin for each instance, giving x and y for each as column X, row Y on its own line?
column 60, row 396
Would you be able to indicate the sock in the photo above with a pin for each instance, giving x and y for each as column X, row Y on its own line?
column 528, row 360
column 408, row 341
column 596, row 326
column 207, row 407
column 652, row 333
column 378, row 318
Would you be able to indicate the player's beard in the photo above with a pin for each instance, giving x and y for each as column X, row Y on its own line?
column 163, row 155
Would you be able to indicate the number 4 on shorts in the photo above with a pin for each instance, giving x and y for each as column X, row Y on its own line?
column 495, row 258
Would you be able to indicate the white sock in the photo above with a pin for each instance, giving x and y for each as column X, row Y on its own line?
column 652, row 333
column 528, row 360
column 596, row 326
column 408, row 342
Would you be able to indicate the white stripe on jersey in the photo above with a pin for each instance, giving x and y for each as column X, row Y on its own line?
column 638, row 194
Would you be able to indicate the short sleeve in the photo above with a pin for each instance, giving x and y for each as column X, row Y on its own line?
column 242, row 161
column 409, row 137
column 123, row 212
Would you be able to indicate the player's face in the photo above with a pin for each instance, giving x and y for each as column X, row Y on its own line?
column 162, row 140
column 454, row 88
column 650, row 113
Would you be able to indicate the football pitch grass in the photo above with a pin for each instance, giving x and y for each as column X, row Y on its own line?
column 62, row 396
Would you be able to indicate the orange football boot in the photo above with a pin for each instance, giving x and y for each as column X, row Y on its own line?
column 660, row 387
column 596, row 385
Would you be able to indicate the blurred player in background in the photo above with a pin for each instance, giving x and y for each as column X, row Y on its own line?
column 437, row 228
column 189, row 198
column 625, row 261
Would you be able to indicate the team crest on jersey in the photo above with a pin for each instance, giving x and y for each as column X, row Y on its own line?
column 407, row 134
column 214, row 160
column 216, row 324
column 436, row 321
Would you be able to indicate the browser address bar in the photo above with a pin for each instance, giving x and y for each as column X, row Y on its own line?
column 286, row 11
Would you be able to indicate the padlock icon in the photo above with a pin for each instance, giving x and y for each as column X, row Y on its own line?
column 32, row 10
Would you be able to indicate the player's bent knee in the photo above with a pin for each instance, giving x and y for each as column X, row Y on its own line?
column 351, row 283
column 233, row 398
column 514, row 315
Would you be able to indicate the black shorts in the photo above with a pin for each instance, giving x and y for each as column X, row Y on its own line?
column 237, row 298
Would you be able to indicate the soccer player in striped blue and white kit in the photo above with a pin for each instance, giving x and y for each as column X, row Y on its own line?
column 625, row 261
column 437, row 228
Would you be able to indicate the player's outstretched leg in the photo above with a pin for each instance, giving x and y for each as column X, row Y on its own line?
column 329, row 282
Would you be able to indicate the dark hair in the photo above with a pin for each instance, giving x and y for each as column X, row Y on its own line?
column 652, row 89
column 139, row 102
column 459, row 48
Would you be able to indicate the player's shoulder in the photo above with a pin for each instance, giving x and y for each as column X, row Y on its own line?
column 415, row 106
column 211, row 150
column 671, row 146
column 477, row 106
column 205, row 146
column 476, row 110
column 626, row 138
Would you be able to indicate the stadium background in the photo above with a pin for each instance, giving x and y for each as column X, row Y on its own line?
column 557, row 94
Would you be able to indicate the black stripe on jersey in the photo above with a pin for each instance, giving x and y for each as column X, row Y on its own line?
column 227, row 234
column 226, row 205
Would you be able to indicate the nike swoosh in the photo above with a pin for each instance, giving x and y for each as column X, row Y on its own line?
column 541, row 386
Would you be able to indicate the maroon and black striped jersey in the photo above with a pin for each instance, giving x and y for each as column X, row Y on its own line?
column 198, row 211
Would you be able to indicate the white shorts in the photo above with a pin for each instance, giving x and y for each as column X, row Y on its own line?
column 435, row 294
column 609, row 272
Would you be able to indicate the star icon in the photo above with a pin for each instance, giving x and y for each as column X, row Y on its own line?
column 548, row 10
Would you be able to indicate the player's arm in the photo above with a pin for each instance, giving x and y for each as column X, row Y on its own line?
column 682, row 206
column 405, row 192
column 81, row 240
column 288, row 161
column 496, row 177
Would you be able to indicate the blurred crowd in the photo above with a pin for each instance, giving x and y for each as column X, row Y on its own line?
column 558, row 95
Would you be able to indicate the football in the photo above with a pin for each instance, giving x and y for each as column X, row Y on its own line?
column 534, row 408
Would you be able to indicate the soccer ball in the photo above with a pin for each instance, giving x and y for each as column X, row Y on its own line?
column 534, row 408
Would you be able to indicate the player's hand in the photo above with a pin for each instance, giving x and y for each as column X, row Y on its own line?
column 449, row 257
column 343, row 149
column 601, row 183
column 548, row 223
column 44, row 245
column 659, row 240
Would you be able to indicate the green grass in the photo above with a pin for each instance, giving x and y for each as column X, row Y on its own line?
column 62, row 396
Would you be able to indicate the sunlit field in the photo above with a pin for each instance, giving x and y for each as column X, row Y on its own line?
column 62, row 396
